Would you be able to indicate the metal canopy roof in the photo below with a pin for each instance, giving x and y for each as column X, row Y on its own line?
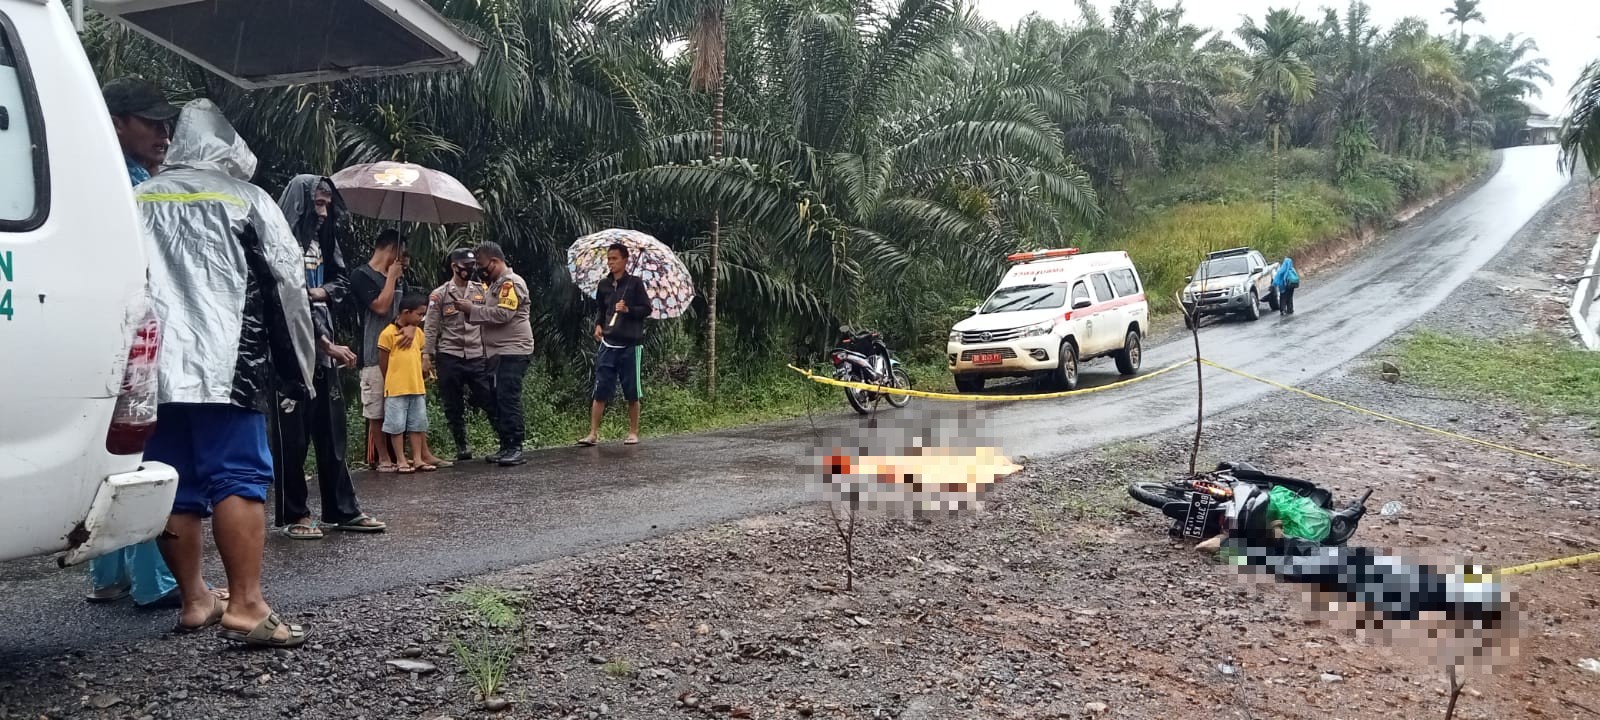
column 265, row 43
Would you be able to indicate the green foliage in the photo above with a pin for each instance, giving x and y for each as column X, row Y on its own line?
column 880, row 160
column 1580, row 132
column 1539, row 373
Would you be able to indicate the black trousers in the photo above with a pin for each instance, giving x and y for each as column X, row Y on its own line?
column 319, row 421
column 508, row 373
column 1286, row 299
column 460, row 381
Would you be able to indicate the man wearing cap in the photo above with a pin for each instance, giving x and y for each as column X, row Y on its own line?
column 143, row 119
column 457, row 348
column 508, row 343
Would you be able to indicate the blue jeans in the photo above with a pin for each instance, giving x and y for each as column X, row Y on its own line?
column 139, row 566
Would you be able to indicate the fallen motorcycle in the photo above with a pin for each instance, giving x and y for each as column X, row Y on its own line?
column 1197, row 505
column 1393, row 588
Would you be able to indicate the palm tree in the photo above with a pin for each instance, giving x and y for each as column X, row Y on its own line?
column 1462, row 12
column 1580, row 132
column 1505, row 73
column 705, row 24
column 1279, row 74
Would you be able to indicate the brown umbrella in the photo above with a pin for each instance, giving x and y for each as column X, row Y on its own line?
column 406, row 193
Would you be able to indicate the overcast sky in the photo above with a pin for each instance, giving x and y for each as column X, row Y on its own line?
column 1566, row 30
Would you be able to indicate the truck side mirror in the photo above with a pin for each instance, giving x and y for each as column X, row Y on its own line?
column 1081, row 303
column 1188, row 278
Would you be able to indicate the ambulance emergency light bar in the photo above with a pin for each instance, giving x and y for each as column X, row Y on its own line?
column 1040, row 255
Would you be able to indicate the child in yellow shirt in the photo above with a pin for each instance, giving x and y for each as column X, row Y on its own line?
column 405, row 407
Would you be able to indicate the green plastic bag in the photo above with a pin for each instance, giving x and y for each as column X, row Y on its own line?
column 1301, row 517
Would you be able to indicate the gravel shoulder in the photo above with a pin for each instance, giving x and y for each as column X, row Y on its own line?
column 1061, row 599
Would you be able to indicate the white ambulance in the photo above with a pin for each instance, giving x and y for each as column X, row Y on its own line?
column 1054, row 310
column 78, row 342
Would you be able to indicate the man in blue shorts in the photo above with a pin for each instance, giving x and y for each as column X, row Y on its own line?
column 227, row 280
column 623, row 305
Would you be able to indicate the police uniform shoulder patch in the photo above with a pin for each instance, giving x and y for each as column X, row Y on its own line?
column 508, row 296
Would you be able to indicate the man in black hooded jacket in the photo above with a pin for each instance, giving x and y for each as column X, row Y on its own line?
column 316, row 213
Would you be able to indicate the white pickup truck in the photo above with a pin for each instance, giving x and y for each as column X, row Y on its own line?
column 1230, row 281
column 80, row 343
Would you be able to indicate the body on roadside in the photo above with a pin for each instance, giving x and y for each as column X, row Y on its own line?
column 621, row 305
column 457, row 348
column 508, row 342
column 227, row 279
column 405, row 392
column 143, row 121
column 316, row 213
column 377, row 288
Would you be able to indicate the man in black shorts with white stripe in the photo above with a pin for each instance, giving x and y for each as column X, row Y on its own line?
column 623, row 305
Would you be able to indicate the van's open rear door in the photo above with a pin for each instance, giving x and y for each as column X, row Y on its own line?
column 263, row 43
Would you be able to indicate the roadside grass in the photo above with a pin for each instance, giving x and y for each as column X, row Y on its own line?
column 1180, row 217
column 492, row 636
column 1538, row 373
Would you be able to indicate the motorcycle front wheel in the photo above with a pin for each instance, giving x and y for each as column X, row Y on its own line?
column 902, row 381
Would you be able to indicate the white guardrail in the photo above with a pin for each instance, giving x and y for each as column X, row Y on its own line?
column 1582, row 310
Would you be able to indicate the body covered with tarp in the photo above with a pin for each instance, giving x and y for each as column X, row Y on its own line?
column 226, row 274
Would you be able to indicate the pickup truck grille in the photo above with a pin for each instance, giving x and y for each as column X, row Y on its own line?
column 986, row 336
column 1005, row 353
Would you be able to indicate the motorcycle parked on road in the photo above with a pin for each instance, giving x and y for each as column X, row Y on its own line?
column 862, row 357
column 1197, row 505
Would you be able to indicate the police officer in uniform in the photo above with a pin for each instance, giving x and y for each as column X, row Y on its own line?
column 508, row 343
column 457, row 348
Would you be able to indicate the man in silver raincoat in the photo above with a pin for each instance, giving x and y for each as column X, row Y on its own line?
column 227, row 280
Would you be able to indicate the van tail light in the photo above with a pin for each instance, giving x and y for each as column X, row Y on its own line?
column 134, row 419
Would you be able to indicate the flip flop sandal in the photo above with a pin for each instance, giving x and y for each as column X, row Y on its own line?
column 427, row 467
column 387, row 468
column 264, row 634
column 362, row 524
column 122, row 591
column 442, row 464
column 631, row 441
column 404, row 470
column 586, row 442
column 218, row 607
column 303, row 531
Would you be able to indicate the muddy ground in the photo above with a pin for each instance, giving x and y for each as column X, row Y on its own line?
column 1061, row 599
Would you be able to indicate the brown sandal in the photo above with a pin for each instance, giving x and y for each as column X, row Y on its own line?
column 264, row 634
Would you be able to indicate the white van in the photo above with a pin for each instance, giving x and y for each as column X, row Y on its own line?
column 1053, row 310
column 78, row 341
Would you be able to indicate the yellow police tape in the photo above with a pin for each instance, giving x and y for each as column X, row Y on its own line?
column 1402, row 421
column 1514, row 570
column 984, row 398
column 1548, row 564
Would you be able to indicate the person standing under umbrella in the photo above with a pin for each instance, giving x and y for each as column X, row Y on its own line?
column 623, row 304
column 457, row 348
column 508, row 343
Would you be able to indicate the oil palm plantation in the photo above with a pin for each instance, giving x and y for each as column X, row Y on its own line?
column 1280, row 77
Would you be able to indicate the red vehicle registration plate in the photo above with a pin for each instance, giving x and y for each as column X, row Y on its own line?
column 986, row 359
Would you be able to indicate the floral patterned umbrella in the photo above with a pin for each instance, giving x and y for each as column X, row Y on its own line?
column 666, row 280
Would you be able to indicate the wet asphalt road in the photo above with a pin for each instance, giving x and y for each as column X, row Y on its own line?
column 459, row 522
